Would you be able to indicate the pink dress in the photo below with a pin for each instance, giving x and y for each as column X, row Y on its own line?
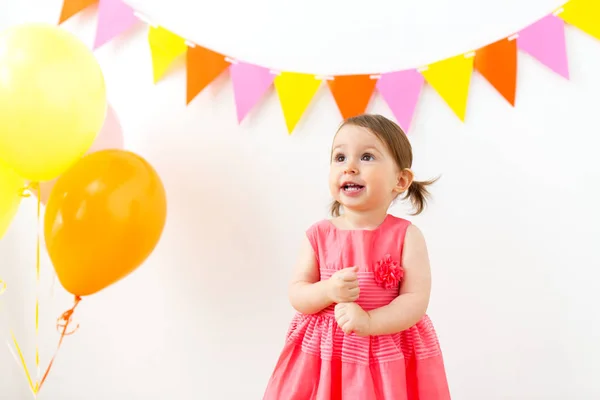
column 320, row 362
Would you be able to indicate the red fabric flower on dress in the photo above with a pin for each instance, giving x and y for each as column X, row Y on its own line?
column 388, row 273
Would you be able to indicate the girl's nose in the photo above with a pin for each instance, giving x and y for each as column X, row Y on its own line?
column 351, row 169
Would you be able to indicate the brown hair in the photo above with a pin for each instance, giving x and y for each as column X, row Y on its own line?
column 399, row 146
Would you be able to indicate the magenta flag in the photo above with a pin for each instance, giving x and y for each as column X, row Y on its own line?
column 250, row 83
column 545, row 41
column 114, row 18
column 401, row 91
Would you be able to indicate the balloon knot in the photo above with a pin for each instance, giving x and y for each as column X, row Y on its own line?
column 29, row 189
column 66, row 319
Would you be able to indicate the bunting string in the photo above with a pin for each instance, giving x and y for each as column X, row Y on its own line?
column 544, row 40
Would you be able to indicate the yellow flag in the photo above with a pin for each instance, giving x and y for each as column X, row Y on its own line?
column 165, row 47
column 451, row 78
column 295, row 92
column 583, row 14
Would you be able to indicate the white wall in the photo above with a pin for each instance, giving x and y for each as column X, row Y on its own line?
column 512, row 230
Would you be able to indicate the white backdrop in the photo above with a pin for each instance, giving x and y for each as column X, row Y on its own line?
column 511, row 230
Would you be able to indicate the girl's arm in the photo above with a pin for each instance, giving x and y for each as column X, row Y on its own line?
column 308, row 294
column 410, row 306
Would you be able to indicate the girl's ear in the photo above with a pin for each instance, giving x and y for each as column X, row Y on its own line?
column 405, row 179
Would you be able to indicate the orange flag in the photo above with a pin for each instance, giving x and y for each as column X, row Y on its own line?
column 203, row 67
column 497, row 62
column 352, row 93
column 72, row 7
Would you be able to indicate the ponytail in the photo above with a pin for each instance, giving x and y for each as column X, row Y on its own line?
column 335, row 208
column 418, row 194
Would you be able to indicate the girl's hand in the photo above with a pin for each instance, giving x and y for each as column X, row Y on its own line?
column 342, row 287
column 352, row 318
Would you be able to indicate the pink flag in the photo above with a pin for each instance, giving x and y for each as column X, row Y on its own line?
column 545, row 40
column 401, row 91
column 114, row 18
column 250, row 83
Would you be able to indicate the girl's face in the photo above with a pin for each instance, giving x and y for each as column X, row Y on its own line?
column 363, row 176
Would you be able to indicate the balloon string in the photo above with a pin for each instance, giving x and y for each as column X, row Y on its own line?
column 24, row 365
column 62, row 325
column 26, row 192
column 36, row 187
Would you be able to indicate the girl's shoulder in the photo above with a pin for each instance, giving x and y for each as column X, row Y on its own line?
column 320, row 226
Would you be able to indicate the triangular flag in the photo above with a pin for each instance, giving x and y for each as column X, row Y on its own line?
column 497, row 62
column 250, row 83
column 295, row 90
column 72, row 7
column 583, row 14
column 352, row 93
column 401, row 91
column 545, row 41
column 165, row 47
column 114, row 18
column 451, row 78
column 203, row 67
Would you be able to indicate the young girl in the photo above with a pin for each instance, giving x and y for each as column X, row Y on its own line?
column 362, row 281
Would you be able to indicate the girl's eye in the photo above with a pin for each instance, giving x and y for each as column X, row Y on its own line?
column 339, row 158
column 367, row 157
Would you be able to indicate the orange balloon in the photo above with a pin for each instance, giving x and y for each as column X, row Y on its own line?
column 104, row 217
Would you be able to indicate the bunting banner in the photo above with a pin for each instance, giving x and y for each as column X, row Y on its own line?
column 583, row 14
column 352, row 93
column 250, row 84
column 295, row 92
column 203, row 66
column 497, row 62
column 114, row 18
column 401, row 91
column 451, row 79
column 543, row 40
column 165, row 48
column 72, row 7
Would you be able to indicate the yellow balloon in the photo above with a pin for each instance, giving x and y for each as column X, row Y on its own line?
column 11, row 188
column 52, row 100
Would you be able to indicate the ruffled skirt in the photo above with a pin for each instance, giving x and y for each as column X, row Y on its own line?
column 320, row 362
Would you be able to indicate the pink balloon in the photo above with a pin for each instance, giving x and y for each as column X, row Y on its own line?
column 109, row 137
